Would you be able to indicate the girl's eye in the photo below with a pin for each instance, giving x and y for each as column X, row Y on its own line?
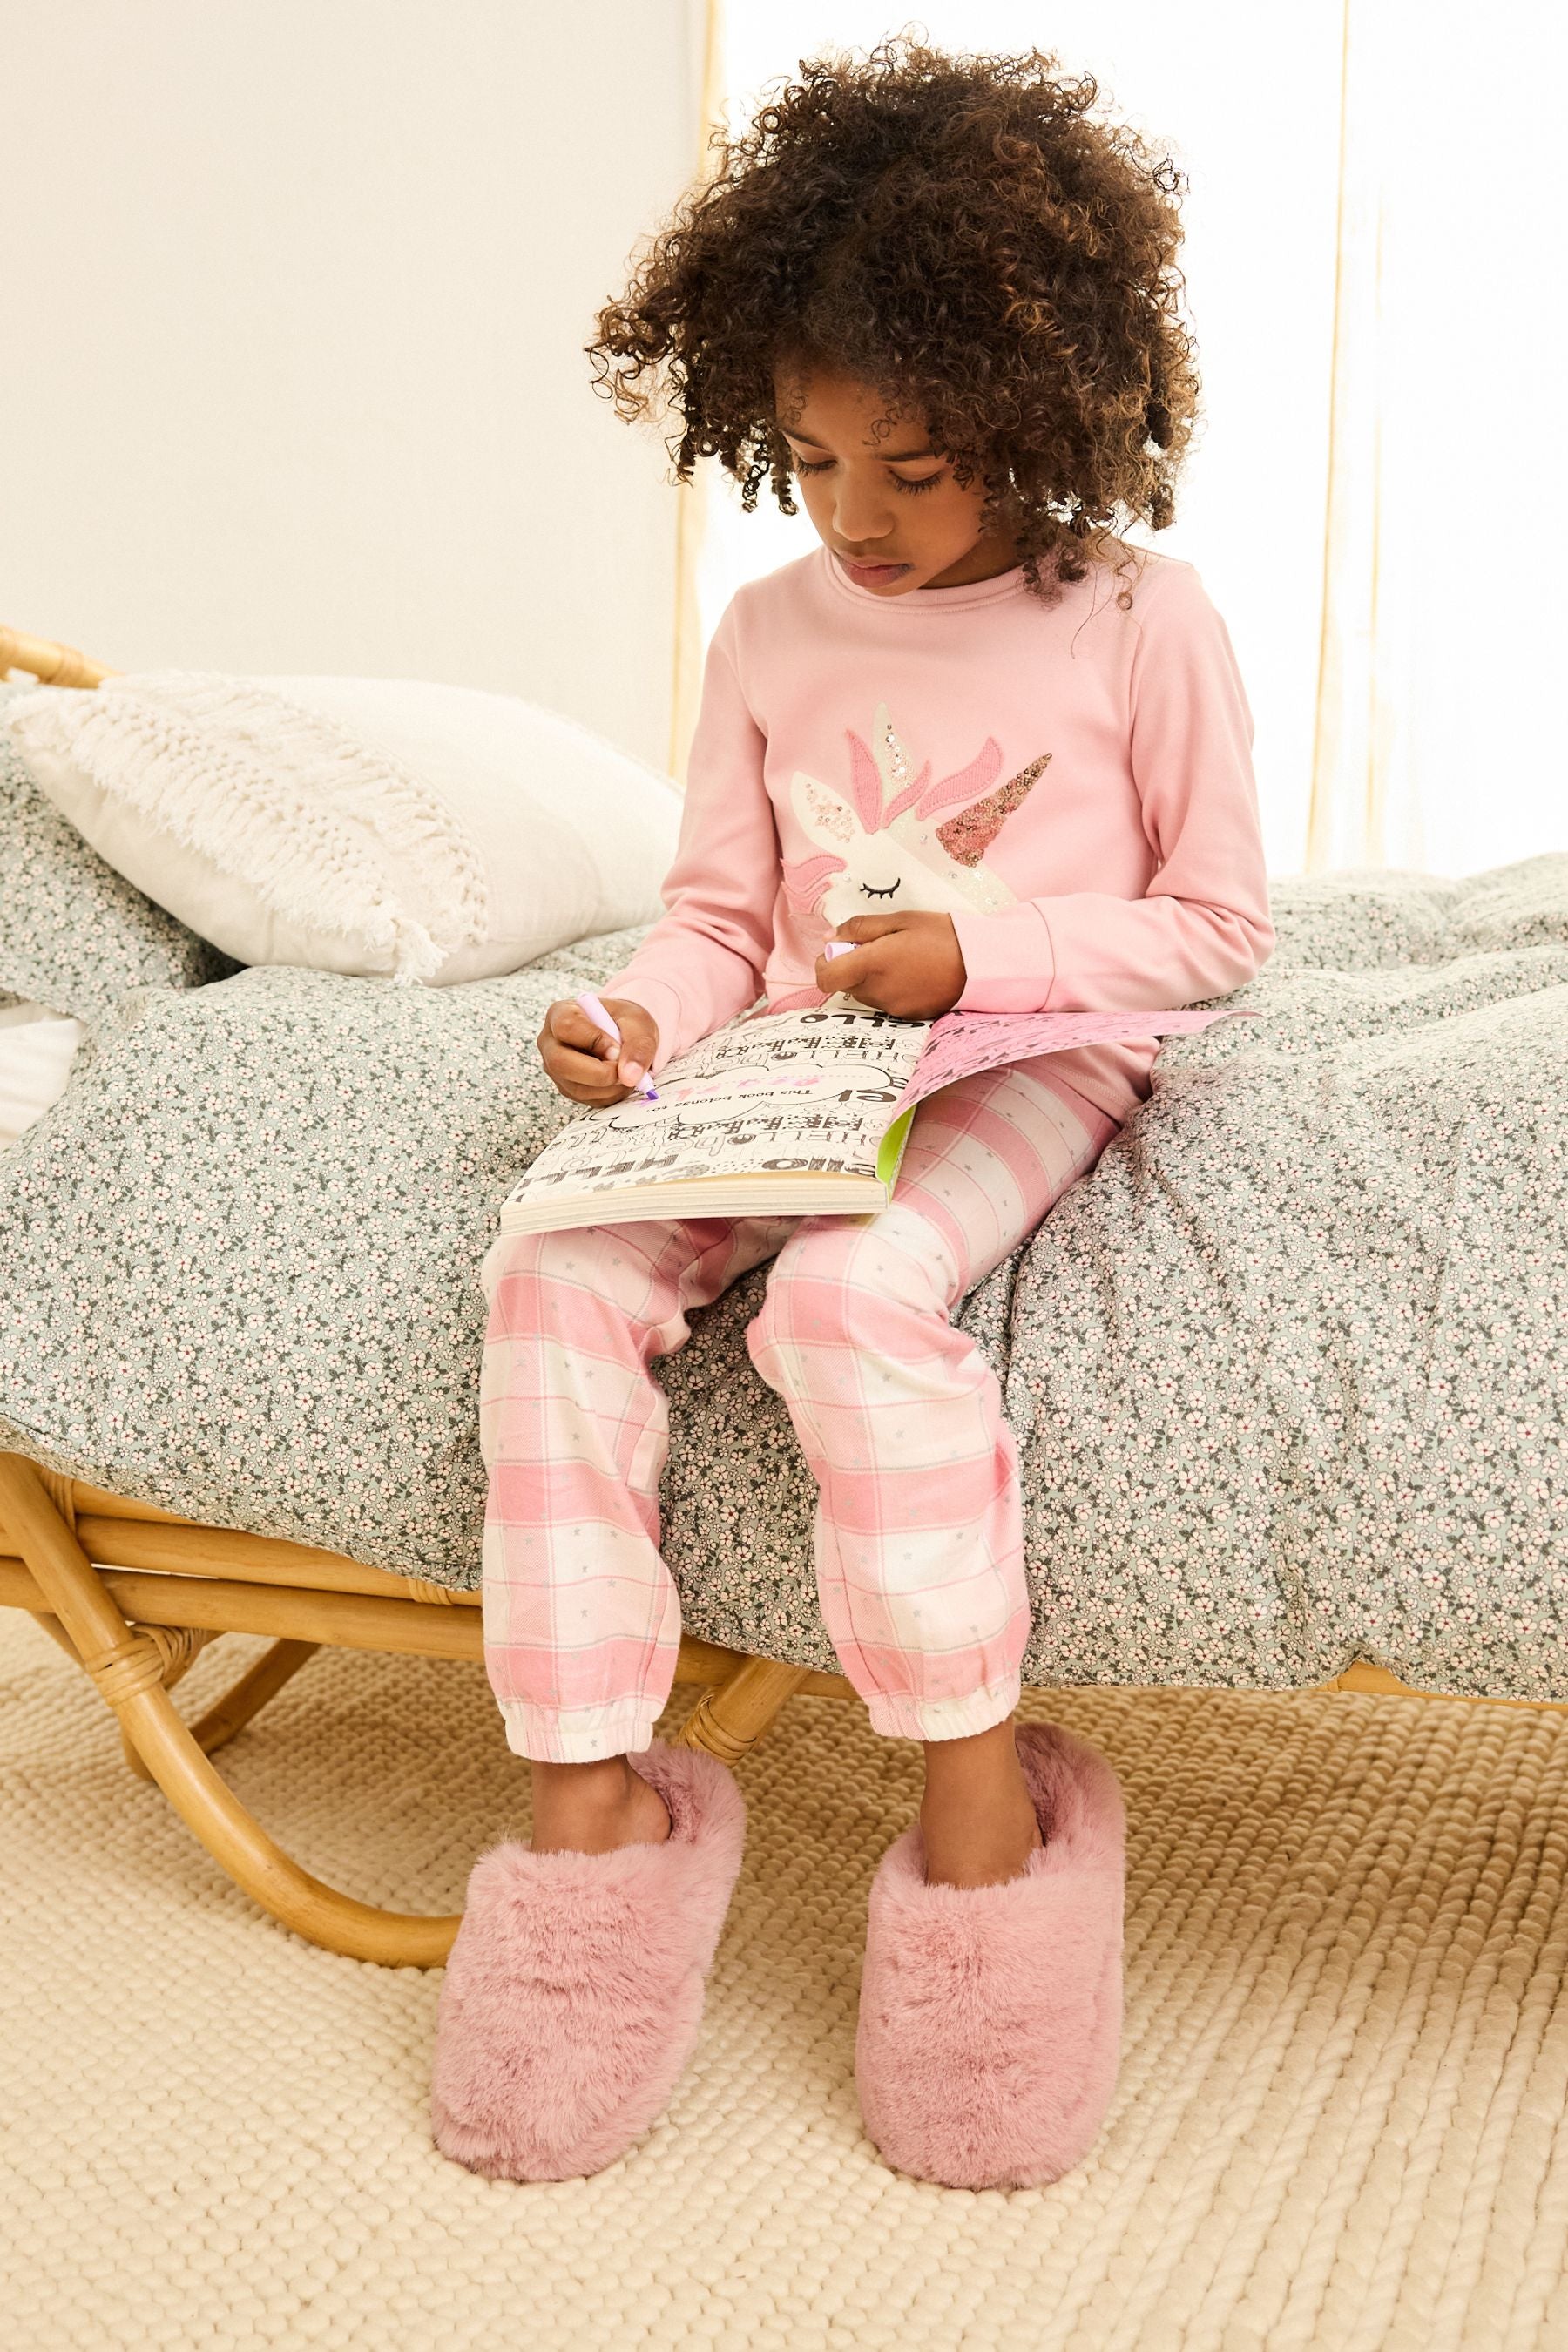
column 867, row 890
column 900, row 482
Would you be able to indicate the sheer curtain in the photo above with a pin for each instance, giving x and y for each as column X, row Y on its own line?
column 1367, row 274
column 1436, row 743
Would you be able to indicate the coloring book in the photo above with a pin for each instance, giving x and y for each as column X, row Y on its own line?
column 783, row 1114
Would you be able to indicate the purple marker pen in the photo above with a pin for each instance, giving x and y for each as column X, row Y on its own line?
column 596, row 1012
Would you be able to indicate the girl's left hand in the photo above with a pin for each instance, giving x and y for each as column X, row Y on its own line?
column 910, row 964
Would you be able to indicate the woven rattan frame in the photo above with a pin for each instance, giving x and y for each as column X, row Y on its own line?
column 132, row 1594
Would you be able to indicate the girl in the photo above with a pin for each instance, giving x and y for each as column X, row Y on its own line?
column 980, row 739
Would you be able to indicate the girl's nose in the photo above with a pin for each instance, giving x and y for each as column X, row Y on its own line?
column 861, row 515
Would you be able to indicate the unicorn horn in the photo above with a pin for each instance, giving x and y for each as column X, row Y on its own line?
column 967, row 837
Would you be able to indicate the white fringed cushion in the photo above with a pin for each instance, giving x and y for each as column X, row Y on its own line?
column 363, row 826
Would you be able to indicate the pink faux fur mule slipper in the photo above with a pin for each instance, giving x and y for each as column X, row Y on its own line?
column 573, row 1992
column 991, row 2016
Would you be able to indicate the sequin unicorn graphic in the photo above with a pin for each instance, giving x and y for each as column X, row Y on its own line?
column 899, row 840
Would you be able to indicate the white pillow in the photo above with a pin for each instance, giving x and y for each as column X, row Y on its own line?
column 357, row 825
column 36, row 1049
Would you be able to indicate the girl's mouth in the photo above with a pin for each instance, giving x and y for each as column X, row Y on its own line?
column 873, row 576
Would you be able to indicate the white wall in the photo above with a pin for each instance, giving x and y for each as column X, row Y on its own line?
column 293, row 378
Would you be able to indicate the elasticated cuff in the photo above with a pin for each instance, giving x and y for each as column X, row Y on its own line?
column 946, row 1719
column 1009, row 960
column 581, row 1735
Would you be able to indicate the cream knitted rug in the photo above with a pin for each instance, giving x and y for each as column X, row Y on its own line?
column 1339, row 2122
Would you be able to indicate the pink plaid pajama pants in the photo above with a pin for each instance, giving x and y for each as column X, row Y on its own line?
column 918, row 1537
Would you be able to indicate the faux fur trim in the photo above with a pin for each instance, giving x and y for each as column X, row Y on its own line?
column 991, row 2016
column 291, row 805
column 573, row 1992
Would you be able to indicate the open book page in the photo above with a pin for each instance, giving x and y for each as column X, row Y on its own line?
column 781, row 1092
column 960, row 1043
column 790, row 1113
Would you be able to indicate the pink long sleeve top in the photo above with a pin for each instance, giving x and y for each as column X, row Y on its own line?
column 1071, row 783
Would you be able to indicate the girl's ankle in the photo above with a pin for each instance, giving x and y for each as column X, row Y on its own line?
column 596, row 1808
column 977, row 1817
column 971, row 1849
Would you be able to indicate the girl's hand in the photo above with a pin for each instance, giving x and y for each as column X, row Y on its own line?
column 584, row 1064
column 910, row 964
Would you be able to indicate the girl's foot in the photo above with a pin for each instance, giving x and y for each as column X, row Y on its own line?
column 991, row 2014
column 573, row 1992
column 977, row 1819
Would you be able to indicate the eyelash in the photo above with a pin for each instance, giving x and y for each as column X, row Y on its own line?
column 928, row 482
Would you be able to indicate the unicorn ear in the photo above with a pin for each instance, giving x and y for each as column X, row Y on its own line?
column 967, row 837
column 827, row 819
column 864, row 781
column 949, row 791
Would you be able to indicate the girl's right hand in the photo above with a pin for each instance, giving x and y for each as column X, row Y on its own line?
column 582, row 1062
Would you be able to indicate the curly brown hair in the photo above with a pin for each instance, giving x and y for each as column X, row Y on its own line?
column 955, row 232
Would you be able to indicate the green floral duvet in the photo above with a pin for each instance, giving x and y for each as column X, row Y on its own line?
column 1289, row 1371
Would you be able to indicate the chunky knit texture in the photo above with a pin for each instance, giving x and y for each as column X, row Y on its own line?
column 1341, row 2123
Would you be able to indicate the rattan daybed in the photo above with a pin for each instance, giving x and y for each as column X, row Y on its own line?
column 132, row 1593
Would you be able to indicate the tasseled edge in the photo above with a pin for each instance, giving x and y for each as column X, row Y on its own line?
column 290, row 803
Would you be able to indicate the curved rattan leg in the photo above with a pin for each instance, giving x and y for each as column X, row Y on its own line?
column 278, row 1664
column 729, row 1721
column 128, row 1668
column 179, row 1647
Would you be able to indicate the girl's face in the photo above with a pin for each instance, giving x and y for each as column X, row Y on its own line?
column 882, row 501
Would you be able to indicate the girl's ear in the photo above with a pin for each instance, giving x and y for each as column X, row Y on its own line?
column 824, row 817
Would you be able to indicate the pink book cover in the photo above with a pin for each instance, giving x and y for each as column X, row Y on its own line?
column 961, row 1043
